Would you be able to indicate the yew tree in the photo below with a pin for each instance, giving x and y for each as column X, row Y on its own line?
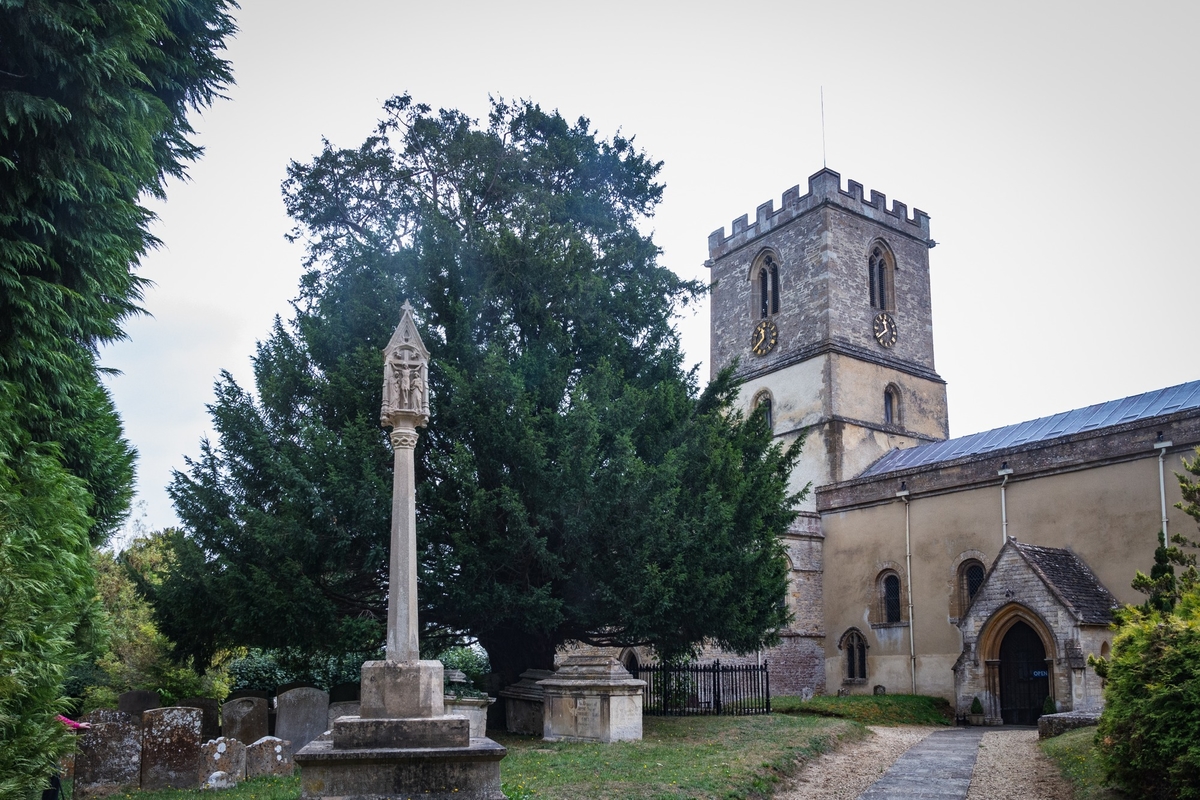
column 575, row 482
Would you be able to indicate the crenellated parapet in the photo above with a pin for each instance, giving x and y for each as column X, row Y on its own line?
column 824, row 189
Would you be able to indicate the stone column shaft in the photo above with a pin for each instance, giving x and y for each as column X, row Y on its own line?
column 402, row 569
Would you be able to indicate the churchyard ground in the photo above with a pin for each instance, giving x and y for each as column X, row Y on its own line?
column 690, row 757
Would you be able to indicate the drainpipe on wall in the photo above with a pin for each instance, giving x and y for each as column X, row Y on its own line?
column 1161, row 447
column 912, row 647
column 1005, row 472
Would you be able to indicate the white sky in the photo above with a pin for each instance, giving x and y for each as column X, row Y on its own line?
column 1053, row 145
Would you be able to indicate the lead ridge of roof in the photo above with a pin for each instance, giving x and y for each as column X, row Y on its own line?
column 1114, row 412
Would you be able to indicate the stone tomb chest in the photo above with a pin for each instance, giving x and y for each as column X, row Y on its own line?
column 592, row 699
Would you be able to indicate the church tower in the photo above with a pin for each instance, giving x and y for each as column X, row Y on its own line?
column 825, row 306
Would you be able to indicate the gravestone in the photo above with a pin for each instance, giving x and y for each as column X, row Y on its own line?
column 244, row 719
column 301, row 715
column 880, row 689
column 344, row 693
column 270, row 755
column 224, row 755
column 806, row 694
column 210, row 726
column 170, row 747
column 346, row 708
column 108, row 757
column 137, row 701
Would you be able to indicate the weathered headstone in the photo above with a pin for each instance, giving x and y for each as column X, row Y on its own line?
column 170, row 747
column 301, row 715
column 880, row 689
column 270, row 755
column 346, row 708
column 223, row 755
column 137, row 701
column 806, row 693
column 244, row 719
column 108, row 757
column 210, row 726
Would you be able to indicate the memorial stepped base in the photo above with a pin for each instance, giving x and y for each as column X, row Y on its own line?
column 397, row 773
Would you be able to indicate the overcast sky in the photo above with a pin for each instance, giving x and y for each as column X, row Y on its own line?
column 1053, row 145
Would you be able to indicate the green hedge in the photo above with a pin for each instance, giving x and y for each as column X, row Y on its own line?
column 1149, row 735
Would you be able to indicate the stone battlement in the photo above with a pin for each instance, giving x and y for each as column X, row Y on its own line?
column 824, row 188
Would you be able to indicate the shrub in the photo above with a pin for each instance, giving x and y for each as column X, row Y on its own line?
column 1048, row 706
column 976, row 706
column 471, row 660
column 1149, row 734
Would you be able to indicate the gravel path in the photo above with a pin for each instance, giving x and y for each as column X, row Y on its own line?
column 848, row 771
column 1012, row 767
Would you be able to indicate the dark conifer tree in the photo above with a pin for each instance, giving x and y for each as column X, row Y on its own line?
column 575, row 484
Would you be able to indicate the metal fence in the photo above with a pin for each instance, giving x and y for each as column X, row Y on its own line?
column 699, row 689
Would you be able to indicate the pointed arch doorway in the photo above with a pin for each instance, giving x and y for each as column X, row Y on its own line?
column 1024, row 675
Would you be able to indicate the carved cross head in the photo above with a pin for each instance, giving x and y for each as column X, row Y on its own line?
column 405, row 376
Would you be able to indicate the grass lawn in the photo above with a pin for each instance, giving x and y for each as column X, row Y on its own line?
column 269, row 788
column 1077, row 759
column 887, row 709
column 689, row 757
column 678, row 757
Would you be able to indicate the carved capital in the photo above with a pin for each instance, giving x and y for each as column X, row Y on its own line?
column 404, row 438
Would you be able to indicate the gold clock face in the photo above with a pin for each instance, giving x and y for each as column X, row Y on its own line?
column 885, row 329
column 763, row 340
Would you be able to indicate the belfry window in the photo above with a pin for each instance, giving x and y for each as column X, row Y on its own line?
column 879, row 268
column 763, row 401
column 889, row 406
column 768, row 286
column 855, row 648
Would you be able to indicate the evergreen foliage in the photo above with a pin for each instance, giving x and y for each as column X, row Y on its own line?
column 45, row 595
column 575, row 484
column 1149, row 734
column 93, row 104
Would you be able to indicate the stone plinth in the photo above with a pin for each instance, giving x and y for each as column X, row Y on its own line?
column 431, row 773
column 397, row 690
column 592, row 699
column 474, row 709
column 523, row 702
column 356, row 733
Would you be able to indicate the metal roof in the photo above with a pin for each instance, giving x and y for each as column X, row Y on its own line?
column 1102, row 415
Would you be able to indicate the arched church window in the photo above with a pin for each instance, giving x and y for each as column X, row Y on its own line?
column 891, row 406
column 879, row 269
column 889, row 598
column 970, row 578
column 766, row 275
column 855, row 647
column 763, row 400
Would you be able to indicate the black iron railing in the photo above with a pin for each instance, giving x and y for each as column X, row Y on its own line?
column 699, row 689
